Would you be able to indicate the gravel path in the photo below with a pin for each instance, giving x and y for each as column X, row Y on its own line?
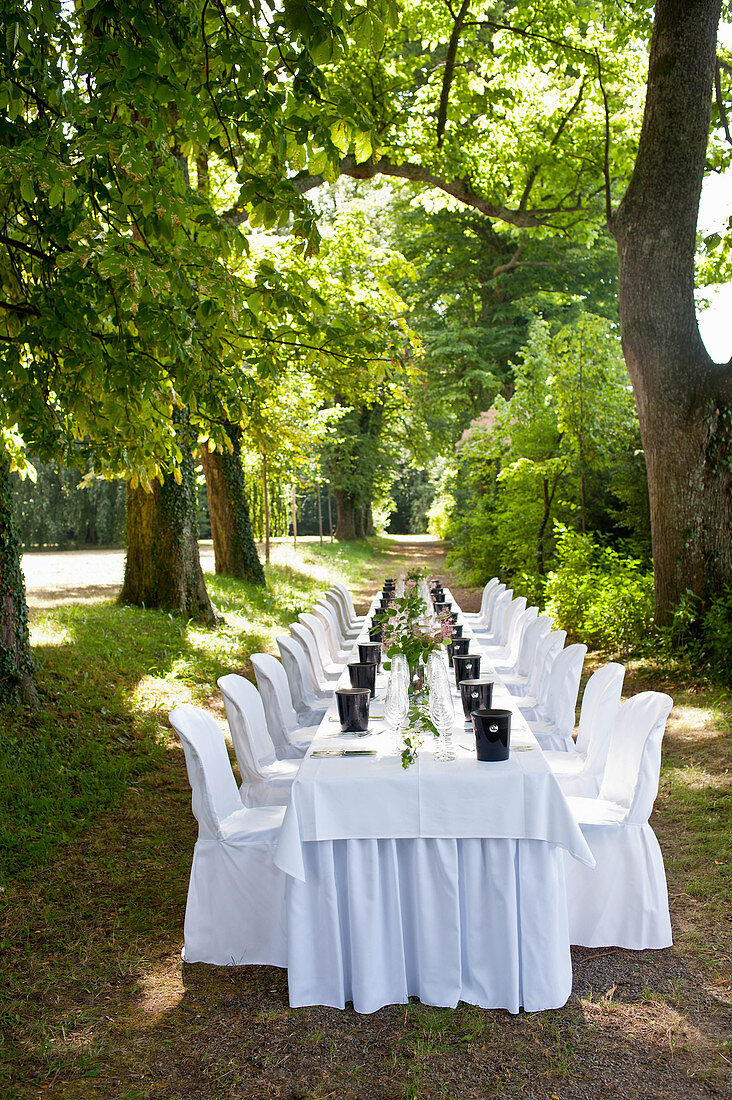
column 80, row 576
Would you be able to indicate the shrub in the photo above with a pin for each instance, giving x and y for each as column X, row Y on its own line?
column 596, row 594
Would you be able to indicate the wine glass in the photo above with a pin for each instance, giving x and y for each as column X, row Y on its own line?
column 396, row 702
column 441, row 706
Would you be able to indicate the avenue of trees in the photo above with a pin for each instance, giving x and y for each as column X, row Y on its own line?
column 178, row 288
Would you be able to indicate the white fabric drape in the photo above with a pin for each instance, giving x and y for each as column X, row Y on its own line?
column 378, row 921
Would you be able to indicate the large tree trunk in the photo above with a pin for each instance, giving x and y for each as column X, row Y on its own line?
column 162, row 565
column 346, row 516
column 682, row 396
column 16, row 663
column 235, row 551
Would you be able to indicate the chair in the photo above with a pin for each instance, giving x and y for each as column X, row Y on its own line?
column 478, row 617
column 579, row 771
column 517, row 673
column 309, row 701
column 307, row 640
column 623, row 901
column 316, row 628
column 491, row 634
column 501, row 639
column 545, row 654
column 235, row 911
column 337, row 651
column 291, row 737
column 266, row 781
column 552, row 720
column 509, row 653
column 346, row 633
column 354, row 619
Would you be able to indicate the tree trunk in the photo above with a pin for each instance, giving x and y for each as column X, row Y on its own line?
column 346, row 513
column 265, row 490
column 162, row 565
column 235, row 551
column 16, row 663
column 682, row 396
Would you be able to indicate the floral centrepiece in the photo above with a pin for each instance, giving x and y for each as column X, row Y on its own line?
column 415, row 632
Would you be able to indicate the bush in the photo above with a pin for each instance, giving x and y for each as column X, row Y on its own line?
column 599, row 596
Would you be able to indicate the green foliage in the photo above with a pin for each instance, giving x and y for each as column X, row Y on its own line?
column 596, row 594
column 547, row 453
column 701, row 634
column 63, row 508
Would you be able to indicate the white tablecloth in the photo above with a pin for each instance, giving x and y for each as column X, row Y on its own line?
column 443, row 881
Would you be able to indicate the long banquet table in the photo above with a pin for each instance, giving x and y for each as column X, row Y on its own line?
column 444, row 881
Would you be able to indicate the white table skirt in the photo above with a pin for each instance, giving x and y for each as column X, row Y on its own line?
column 378, row 921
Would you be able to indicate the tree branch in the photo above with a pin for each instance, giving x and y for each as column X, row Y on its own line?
column 460, row 189
column 11, row 242
column 720, row 102
column 531, row 180
column 606, row 158
column 449, row 73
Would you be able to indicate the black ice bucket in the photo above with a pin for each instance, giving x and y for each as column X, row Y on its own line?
column 363, row 675
column 369, row 652
column 458, row 647
column 476, row 694
column 353, row 709
column 376, row 633
column 466, row 667
column 492, row 733
column 457, row 628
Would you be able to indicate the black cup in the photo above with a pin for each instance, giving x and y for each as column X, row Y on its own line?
column 369, row 652
column 492, row 733
column 458, row 647
column 457, row 629
column 363, row 675
column 476, row 694
column 353, row 709
column 466, row 667
column 390, row 582
column 440, row 605
column 376, row 633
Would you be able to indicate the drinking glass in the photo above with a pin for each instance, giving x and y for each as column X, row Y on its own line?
column 441, row 706
column 396, row 702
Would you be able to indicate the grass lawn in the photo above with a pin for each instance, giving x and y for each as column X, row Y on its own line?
column 96, row 836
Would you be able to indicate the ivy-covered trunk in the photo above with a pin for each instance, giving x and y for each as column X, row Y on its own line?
column 234, row 548
column 162, row 565
column 16, row 663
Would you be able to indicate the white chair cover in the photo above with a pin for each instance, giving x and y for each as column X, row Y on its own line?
column 623, row 901
column 518, row 672
column 336, row 653
column 345, row 634
column 479, row 617
column 353, row 616
column 235, row 912
column 266, row 781
column 308, row 699
column 290, row 736
column 504, row 636
column 509, row 653
column 316, row 628
column 350, row 624
column 580, row 772
column 546, row 653
column 492, row 634
column 552, row 721
column 307, row 641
